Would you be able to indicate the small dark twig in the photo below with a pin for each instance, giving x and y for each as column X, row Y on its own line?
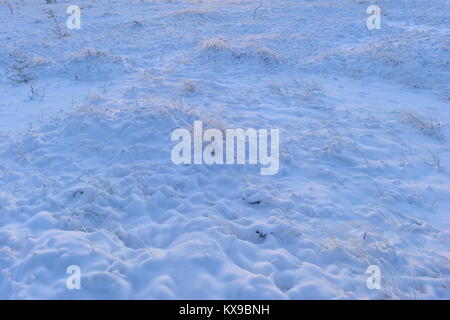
column 256, row 9
column 10, row 8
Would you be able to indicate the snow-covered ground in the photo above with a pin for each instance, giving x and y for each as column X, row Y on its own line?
column 86, row 176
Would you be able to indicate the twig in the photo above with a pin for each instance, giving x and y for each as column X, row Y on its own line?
column 256, row 9
column 10, row 8
column 52, row 17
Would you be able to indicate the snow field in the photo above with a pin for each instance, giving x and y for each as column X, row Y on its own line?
column 87, row 178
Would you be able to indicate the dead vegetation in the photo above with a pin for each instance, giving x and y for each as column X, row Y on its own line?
column 19, row 71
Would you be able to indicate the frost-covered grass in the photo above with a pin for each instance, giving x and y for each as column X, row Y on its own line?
column 86, row 176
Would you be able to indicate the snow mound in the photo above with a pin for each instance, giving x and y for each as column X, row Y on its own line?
column 220, row 51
